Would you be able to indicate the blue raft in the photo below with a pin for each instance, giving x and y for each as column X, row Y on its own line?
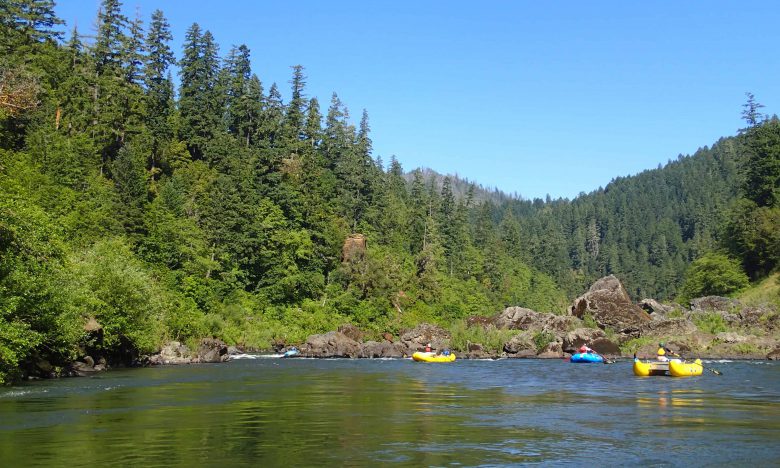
column 586, row 357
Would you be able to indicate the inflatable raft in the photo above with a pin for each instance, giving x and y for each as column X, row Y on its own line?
column 586, row 357
column 432, row 357
column 675, row 368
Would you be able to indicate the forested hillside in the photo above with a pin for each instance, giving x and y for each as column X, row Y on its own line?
column 132, row 213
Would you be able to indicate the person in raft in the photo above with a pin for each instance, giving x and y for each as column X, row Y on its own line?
column 662, row 351
column 428, row 348
column 585, row 349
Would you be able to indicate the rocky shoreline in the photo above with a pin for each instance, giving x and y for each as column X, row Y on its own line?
column 604, row 318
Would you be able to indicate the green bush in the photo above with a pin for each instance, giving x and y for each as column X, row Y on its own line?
column 713, row 274
column 710, row 322
column 491, row 338
column 542, row 339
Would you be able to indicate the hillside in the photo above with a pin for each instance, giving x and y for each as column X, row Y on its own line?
column 132, row 215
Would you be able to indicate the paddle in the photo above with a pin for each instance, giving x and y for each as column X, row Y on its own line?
column 716, row 372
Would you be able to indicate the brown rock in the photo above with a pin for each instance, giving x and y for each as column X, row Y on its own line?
column 581, row 336
column 416, row 338
column 331, row 344
column 351, row 331
column 553, row 350
column 609, row 304
column 520, row 345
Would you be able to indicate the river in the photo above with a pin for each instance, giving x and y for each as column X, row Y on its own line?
column 263, row 412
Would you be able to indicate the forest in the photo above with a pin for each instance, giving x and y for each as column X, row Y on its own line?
column 156, row 209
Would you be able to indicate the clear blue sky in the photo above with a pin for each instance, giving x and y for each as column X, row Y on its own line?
column 530, row 97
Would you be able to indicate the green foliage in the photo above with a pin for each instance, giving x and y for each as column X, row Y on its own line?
column 589, row 321
column 119, row 292
column 713, row 275
column 633, row 345
column 223, row 211
column 710, row 322
column 37, row 313
column 491, row 338
column 542, row 339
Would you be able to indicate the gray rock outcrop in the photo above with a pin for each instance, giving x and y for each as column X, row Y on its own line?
column 609, row 304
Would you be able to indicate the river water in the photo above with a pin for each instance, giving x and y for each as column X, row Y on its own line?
column 312, row 412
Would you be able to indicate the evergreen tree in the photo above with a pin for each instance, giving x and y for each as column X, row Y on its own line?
column 199, row 103
column 159, row 88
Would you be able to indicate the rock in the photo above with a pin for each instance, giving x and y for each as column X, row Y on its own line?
column 331, row 344
column 581, row 336
column 479, row 321
column 553, row 350
column 232, row 350
column 669, row 327
column 89, row 361
column 416, row 338
column 730, row 337
column 172, row 353
column 774, row 355
column 717, row 303
column 520, row 345
column 388, row 337
column 383, row 349
column 764, row 318
column 559, row 325
column 520, row 318
column 609, row 304
column 212, row 350
column 653, row 307
column 517, row 318
column 81, row 369
column 605, row 347
column 351, row 331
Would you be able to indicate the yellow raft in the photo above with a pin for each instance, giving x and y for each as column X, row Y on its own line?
column 675, row 368
column 432, row 357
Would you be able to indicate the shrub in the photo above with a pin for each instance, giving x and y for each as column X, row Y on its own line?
column 710, row 322
column 542, row 339
column 713, row 274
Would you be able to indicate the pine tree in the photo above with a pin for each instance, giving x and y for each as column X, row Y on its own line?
column 25, row 22
column 294, row 117
column 159, row 88
column 111, row 38
column 199, row 103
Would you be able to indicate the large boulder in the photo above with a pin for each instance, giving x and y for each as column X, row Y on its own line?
column 382, row 349
column 331, row 344
column 774, row 355
column 172, row 353
column 518, row 318
column 212, row 350
column 581, row 336
column 655, row 308
column 424, row 333
column 605, row 347
column 609, row 304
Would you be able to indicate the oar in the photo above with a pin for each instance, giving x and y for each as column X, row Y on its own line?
column 716, row 372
